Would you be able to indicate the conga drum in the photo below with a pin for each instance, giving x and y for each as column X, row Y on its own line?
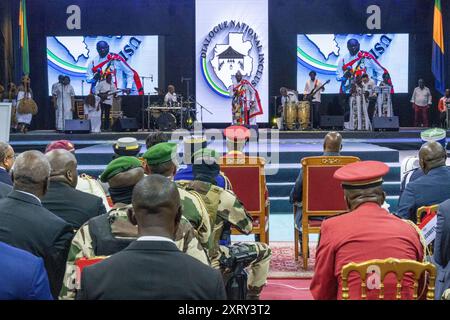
column 303, row 110
column 290, row 115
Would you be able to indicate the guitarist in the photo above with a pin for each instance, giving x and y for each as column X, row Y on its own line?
column 313, row 95
column 103, row 90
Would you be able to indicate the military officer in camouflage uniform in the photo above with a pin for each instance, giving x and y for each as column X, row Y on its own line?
column 112, row 232
column 225, row 208
column 159, row 159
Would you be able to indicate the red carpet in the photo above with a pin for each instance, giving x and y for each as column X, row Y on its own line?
column 283, row 264
column 287, row 289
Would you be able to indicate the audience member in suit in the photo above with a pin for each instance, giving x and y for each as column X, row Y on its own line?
column 26, row 224
column 152, row 263
column 432, row 188
column 366, row 232
column 332, row 146
column 73, row 206
column 22, row 276
column 441, row 254
column 6, row 162
column 5, row 189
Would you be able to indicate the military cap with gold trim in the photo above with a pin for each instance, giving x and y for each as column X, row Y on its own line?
column 127, row 146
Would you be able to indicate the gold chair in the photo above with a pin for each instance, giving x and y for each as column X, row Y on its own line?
column 322, row 196
column 390, row 265
column 426, row 210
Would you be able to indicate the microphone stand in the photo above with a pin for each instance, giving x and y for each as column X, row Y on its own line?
column 201, row 109
column 143, row 104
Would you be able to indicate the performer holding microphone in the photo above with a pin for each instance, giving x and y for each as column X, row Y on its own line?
column 64, row 97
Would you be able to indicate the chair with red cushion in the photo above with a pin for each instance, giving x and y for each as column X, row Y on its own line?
column 323, row 196
column 248, row 182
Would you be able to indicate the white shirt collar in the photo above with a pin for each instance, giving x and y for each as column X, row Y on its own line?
column 155, row 238
column 2, row 168
column 30, row 194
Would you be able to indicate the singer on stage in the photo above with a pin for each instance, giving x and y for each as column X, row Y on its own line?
column 106, row 62
column 106, row 90
column 246, row 104
column 64, row 102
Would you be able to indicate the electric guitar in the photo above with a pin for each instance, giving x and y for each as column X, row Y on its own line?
column 310, row 96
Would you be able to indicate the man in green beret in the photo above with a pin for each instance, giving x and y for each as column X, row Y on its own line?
column 112, row 232
column 225, row 209
column 161, row 159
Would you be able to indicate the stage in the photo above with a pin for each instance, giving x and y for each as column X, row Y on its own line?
column 281, row 149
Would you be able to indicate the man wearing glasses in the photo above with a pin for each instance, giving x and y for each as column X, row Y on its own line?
column 6, row 162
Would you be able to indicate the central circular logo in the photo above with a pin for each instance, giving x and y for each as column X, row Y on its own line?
column 231, row 46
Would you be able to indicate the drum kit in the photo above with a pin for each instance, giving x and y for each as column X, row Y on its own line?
column 168, row 117
column 296, row 115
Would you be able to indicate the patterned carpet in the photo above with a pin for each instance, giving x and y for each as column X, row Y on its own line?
column 283, row 264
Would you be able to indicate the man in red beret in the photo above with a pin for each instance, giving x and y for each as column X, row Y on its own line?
column 366, row 232
column 60, row 144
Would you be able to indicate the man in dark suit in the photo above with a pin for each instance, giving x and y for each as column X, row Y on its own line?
column 441, row 255
column 73, row 206
column 6, row 162
column 432, row 188
column 26, row 224
column 22, row 276
column 5, row 189
column 152, row 267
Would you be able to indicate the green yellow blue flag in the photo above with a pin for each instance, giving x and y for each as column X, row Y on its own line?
column 437, row 60
column 24, row 37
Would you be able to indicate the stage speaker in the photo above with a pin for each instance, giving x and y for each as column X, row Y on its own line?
column 125, row 124
column 77, row 126
column 334, row 122
column 385, row 123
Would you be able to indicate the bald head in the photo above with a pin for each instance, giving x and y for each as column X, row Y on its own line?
column 156, row 207
column 31, row 172
column 126, row 179
column 332, row 142
column 432, row 155
column 6, row 156
column 63, row 166
column 356, row 197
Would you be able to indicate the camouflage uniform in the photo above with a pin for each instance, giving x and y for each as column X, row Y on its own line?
column 121, row 228
column 223, row 206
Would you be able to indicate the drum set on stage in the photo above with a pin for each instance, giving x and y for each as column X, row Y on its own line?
column 171, row 116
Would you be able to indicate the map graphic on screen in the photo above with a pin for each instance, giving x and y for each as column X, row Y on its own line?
column 132, row 60
column 330, row 57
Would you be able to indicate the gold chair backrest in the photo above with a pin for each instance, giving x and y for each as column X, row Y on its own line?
column 425, row 209
column 397, row 266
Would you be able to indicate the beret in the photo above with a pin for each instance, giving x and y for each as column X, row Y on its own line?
column 119, row 165
column 362, row 174
column 160, row 153
column 60, row 144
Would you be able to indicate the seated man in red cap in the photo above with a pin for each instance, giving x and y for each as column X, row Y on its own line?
column 237, row 137
column 366, row 232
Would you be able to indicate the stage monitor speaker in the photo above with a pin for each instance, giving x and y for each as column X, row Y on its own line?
column 333, row 122
column 385, row 123
column 125, row 124
column 77, row 126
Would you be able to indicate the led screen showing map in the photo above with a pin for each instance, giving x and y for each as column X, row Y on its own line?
column 335, row 57
column 132, row 61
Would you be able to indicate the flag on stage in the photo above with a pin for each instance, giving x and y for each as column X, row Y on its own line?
column 437, row 61
column 24, row 37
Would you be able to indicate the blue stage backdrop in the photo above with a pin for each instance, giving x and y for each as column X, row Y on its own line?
column 174, row 20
